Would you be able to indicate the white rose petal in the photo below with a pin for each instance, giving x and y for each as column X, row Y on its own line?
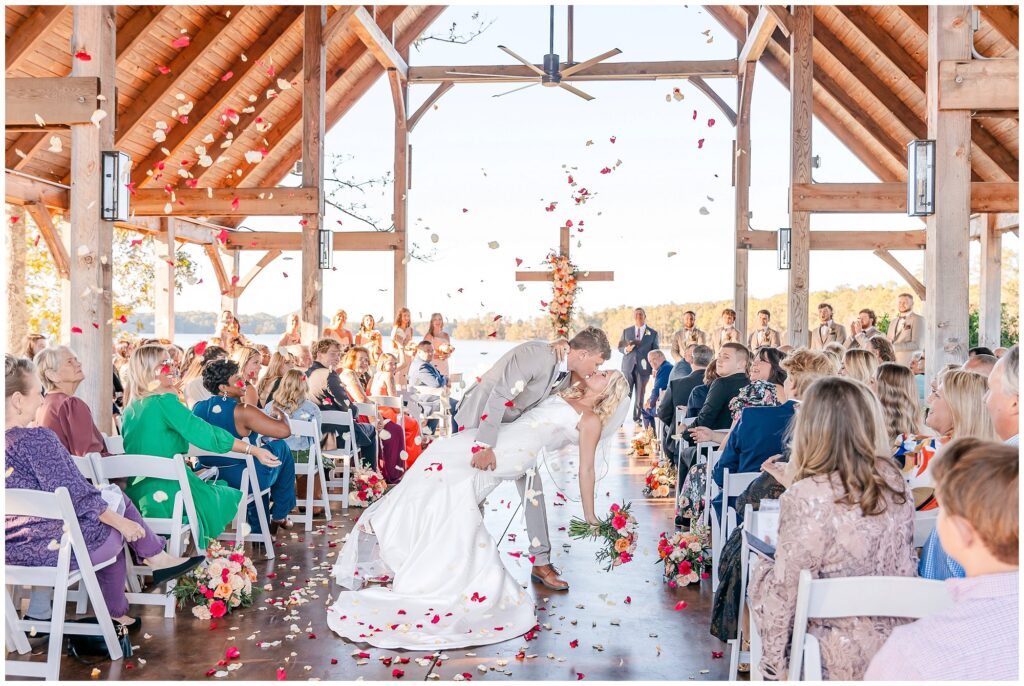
column 53, row 545
column 159, row 497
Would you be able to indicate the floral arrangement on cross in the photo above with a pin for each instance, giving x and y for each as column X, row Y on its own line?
column 564, row 287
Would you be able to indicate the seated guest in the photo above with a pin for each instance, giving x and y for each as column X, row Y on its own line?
column 327, row 391
column 980, row 350
column 36, row 460
column 355, row 366
column 896, row 391
column 302, row 355
column 861, row 329
column 882, row 348
column 264, row 358
column 917, row 366
column 422, row 372
column 732, row 364
column 1003, row 397
column 679, row 389
column 383, row 384
column 338, row 332
column 976, row 638
column 661, row 369
column 226, row 410
column 292, row 333
column 69, row 417
column 292, row 399
column 280, row 363
column 156, row 423
column 686, row 336
column 847, row 513
column 248, row 359
column 837, row 351
column 859, row 365
column 32, row 344
column 764, row 336
column 699, row 394
column 981, row 364
column 684, row 367
column 192, row 380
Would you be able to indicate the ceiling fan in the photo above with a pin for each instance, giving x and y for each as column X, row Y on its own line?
column 551, row 75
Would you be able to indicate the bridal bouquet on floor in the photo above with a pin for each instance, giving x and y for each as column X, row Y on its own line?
column 223, row 584
column 618, row 532
column 685, row 554
column 659, row 480
column 366, row 486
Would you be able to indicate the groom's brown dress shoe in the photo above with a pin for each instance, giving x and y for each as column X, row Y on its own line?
column 547, row 575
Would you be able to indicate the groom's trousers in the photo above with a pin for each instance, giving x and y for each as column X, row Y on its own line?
column 536, row 520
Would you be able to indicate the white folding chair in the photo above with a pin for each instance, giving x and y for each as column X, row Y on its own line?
column 252, row 494
column 84, row 464
column 732, row 486
column 178, row 532
column 707, row 451
column 736, row 652
column 859, row 596
column 56, row 505
column 395, row 404
column 444, row 414
column 313, row 469
column 114, row 444
column 346, row 452
column 924, row 524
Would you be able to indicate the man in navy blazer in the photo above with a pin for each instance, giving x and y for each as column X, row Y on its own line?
column 759, row 433
column 635, row 344
column 662, row 370
column 422, row 372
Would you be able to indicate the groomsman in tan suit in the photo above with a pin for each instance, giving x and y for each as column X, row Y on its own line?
column 862, row 329
column 906, row 332
column 686, row 336
column 763, row 335
column 727, row 333
column 827, row 330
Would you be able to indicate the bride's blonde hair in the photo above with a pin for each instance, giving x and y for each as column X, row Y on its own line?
column 608, row 401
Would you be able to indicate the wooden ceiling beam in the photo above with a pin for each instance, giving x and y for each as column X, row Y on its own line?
column 758, row 36
column 366, row 28
column 783, row 18
column 58, row 101
column 892, row 197
column 41, row 215
column 1004, row 20
column 207, row 202
column 211, row 103
column 152, row 97
column 30, row 33
column 840, row 240
column 992, row 84
column 137, row 27
column 606, row 71
column 291, row 241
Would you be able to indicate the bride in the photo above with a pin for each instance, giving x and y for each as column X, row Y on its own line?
column 449, row 588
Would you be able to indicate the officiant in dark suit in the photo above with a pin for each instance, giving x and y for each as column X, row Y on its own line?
column 636, row 342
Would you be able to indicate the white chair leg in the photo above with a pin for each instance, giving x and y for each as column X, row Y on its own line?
column 261, row 515
column 734, row 657
column 323, row 486
column 56, row 645
column 15, row 636
column 346, row 476
column 83, row 599
column 310, row 483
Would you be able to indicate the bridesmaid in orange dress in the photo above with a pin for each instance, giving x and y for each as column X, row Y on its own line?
column 338, row 332
column 401, row 336
column 384, row 384
column 442, row 343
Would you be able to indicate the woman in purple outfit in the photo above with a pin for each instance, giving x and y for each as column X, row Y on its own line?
column 36, row 460
column 69, row 417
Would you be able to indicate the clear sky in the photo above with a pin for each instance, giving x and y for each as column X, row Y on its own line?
column 505, row 159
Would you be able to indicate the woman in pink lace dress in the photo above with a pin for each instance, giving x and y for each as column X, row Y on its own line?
column 848, row 512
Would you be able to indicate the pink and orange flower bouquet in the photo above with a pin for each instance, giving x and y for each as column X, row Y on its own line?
column 686, row 555
column 618, row 531
column 365, row 487
column 220, row 586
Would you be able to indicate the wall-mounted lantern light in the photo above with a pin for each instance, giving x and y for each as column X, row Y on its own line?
column 114, row 192
column 785, row 248
column 921, row 178
column 326, row 237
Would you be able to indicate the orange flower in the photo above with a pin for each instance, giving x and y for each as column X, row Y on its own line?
column 222, row 591
column 621, row 545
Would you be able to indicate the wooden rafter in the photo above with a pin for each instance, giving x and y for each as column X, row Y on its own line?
column 1004, row 21
column 397, row 98
column 265, row 261
column 137, row 27
column 41, row 216
column 783, row 18
column 218, row 269
column 758, row 36
column 26, row 37
column 210, row 104
column 890, row 259
column 702, row 85
column 441, row 89
column 386, row 53
column 153, row 95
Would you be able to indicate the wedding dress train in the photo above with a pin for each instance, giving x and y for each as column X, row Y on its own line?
column 449, row 586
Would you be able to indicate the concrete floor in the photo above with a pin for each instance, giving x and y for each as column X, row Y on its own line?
column 646, row 639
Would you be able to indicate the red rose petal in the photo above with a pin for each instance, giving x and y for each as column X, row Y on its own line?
column 227, row 77
column 579, row 676
column 681, row 605
column 711, row 122
column 280, row 674
column 180, row 42
column 716, row 654
column 574, row 643
column 700, row 143
column 164, row 70
column 436, row 619
column 334, row 660
column 83, row 55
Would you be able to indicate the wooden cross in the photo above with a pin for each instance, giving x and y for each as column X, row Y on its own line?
column 564, row 250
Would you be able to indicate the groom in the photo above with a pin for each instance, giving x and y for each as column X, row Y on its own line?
column 522, row 378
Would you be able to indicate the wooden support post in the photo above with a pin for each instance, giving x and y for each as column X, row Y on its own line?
column 90, row 307
column 990, row 288
column 946, row 253
column 801, row 84
column 741, row 180
column 17, row 306
column 229, row 300
column 314, row 102
column 401, row 194
column 163, row 283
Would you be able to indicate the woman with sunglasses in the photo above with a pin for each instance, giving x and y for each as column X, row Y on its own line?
column 156, row 423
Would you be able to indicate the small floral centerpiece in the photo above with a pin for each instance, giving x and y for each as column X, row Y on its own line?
column 642, row 444
column 618, row 531
column 367, row 486
column 685, row 554
column 564, row 286
column 659, row 480
column 223, row 584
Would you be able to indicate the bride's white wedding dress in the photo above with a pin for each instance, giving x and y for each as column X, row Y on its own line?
column 450, row 587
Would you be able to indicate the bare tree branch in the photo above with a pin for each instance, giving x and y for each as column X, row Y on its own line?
column 454, row 36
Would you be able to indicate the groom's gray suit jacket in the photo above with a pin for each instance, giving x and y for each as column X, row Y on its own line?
column 524, row 376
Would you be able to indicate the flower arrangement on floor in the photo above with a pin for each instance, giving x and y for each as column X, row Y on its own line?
column 642, row 444
column 564, row 285
column 685, row 554
column 367, row 486
column 223, row 584
column 618, row 530
column 659, row 480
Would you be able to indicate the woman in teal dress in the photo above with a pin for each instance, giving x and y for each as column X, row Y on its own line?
column 228, row 410
column 156, row 423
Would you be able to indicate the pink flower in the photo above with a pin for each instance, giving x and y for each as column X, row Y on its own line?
column 685, row 567
column 619, row 522
column 218, row 608
column 615, row 507
column 624, row 557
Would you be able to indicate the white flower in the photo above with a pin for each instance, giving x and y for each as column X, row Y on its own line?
column 201, row 612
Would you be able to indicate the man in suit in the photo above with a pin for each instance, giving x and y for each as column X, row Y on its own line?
column 827, row 330
column 518, row 381
column 862, row 329
column 764, row 335
column 731, row 363
column 688, row 335
column 422, row 372
column 679, row 391
column 907, row 332
column 727, row 332
column 635, row 344
column 662, row 370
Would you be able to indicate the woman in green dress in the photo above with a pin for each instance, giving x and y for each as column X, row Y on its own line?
column 156, row 423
